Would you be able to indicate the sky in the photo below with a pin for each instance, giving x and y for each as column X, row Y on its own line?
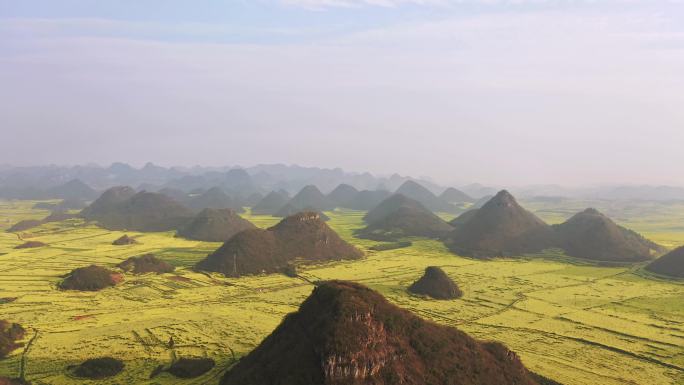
column 493, row 91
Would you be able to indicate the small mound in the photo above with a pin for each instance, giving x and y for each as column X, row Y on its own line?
column 436, row 284
column 303, row 236
column 670, row 264
column 191, row 367
column 59, row 216
column 25, row 225
column 99, row 368
column 391, row 246
column 91, row 278
column 215, row 225
column 147, row 263
column 30, row 245
column 290, row 270
column 55, row 216
column 45, row 205
column 13, row 381
column 10, row 333
column 124, row 240
column 68, row 204
column 399, row 216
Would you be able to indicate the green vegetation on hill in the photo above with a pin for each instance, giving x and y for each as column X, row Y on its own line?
column 436, row 283
column 346, row 333
column 670, row 264
column 501, row 228
column 214, row 198
column 214, row 225
column 271, row 203
column 421, row 194
column 303, row 236
column 90, row 278
column 10, row 333
column 453, row 195
column 592, row 235
column 367, row 199
column 147, row 263
column 342, row 195
column 308, row 198
column 398, row 217
column 117, row 209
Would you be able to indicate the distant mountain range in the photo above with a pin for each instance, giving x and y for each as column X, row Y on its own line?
column 80, row 182
column 36, row 181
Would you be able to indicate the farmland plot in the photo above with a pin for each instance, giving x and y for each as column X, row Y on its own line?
column 575, row 322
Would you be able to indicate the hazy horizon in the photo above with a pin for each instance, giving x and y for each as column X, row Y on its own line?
column 504, row 93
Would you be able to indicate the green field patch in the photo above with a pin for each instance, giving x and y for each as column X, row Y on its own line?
column 574, row 321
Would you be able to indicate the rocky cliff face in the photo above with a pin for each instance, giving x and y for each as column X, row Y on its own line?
column 347, row 334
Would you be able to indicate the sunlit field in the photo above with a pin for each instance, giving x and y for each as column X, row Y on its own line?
column 578, row 323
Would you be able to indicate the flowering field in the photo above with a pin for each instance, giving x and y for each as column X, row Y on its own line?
column 578, row 323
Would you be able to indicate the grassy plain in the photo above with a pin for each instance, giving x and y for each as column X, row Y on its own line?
column 578, row 323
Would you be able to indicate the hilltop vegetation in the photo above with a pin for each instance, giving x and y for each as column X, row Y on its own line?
column 215, row 225
column 10, row 333
column 308, row 198
column 346, row 333
column 90, row 278
column 99, row 368
column 436, row 283
column 398, row 217
column 303, row 236
column 147, row 263
column 214, row 198
column 428, row 199
column 124, row 240
column 453, row 195
column 670, row 264
column 191, row 367
column 120, row 208
column 367, row 199
column 55, row 216
column 501, row 228
column 342, row 195
column 592, row 235
column 30, row 245
column 271, row 203
column 504, row 228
